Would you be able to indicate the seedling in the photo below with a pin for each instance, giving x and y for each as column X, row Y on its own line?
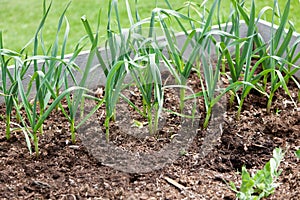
column 297, row 153
column 263, row 182
column 148, row 80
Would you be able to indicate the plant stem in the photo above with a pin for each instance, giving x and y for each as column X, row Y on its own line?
column 57, row 94
column 106, row 124
column 36, row 144
column 18, row 118
column 41, row 128
column 149, row 116
column 156, row 120
column 207, row 117
column 144, row 106
column 238, row 115
column 113, row 117
column 223, row 65
column 232, row 96
column 8, row 126
column 270, row 102
column 73, row 135
column 182, row 94
column 265, row 80
column 82, row 107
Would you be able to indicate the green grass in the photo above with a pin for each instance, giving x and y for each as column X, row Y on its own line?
column 19, row 19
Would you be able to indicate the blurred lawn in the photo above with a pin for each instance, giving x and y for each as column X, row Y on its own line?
column 19, row 19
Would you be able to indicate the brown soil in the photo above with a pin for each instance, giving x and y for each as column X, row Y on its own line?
column 198, row 170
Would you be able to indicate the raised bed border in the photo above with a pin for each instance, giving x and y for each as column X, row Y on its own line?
column 97, row 76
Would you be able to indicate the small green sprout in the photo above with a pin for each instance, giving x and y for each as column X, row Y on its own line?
column 263, row 182
column 138, row 124
column 297, row 153
column 182, row 152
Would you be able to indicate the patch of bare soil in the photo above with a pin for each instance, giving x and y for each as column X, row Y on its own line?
column 198, row 171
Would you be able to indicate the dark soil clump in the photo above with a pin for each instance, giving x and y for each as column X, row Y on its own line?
column 75, row 171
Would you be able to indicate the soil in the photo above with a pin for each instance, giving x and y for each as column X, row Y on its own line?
column 182, row 165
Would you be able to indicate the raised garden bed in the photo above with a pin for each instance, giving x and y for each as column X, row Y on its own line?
column 179, row 160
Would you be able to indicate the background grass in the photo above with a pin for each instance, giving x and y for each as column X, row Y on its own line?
column 19, row 19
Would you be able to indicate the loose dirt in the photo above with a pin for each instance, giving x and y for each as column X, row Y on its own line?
column 200, row 170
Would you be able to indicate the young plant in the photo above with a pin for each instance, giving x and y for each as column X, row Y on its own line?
column 176, row 63
column 263, row 182
column 6, row 94
column 43, row 97
column 212, row 89
column 52, row 69
column 268, row 57
column 278, row 48
column 119, row 49
column 240, row 64
column 35, row 120
column 148, row 80
column 200, row 40
column 73, row 103
column 49, row 72
column 297, row 153
column 76, row 99
column 9, row 85
column 113, row 88
column 209, row 86
column 202, row 45
column 117, row 52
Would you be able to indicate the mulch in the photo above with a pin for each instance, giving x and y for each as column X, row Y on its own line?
column 200, row 170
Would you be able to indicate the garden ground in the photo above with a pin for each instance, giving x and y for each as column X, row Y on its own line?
column 69, row 171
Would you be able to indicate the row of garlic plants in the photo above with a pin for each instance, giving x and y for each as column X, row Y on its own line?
column 137, row 51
